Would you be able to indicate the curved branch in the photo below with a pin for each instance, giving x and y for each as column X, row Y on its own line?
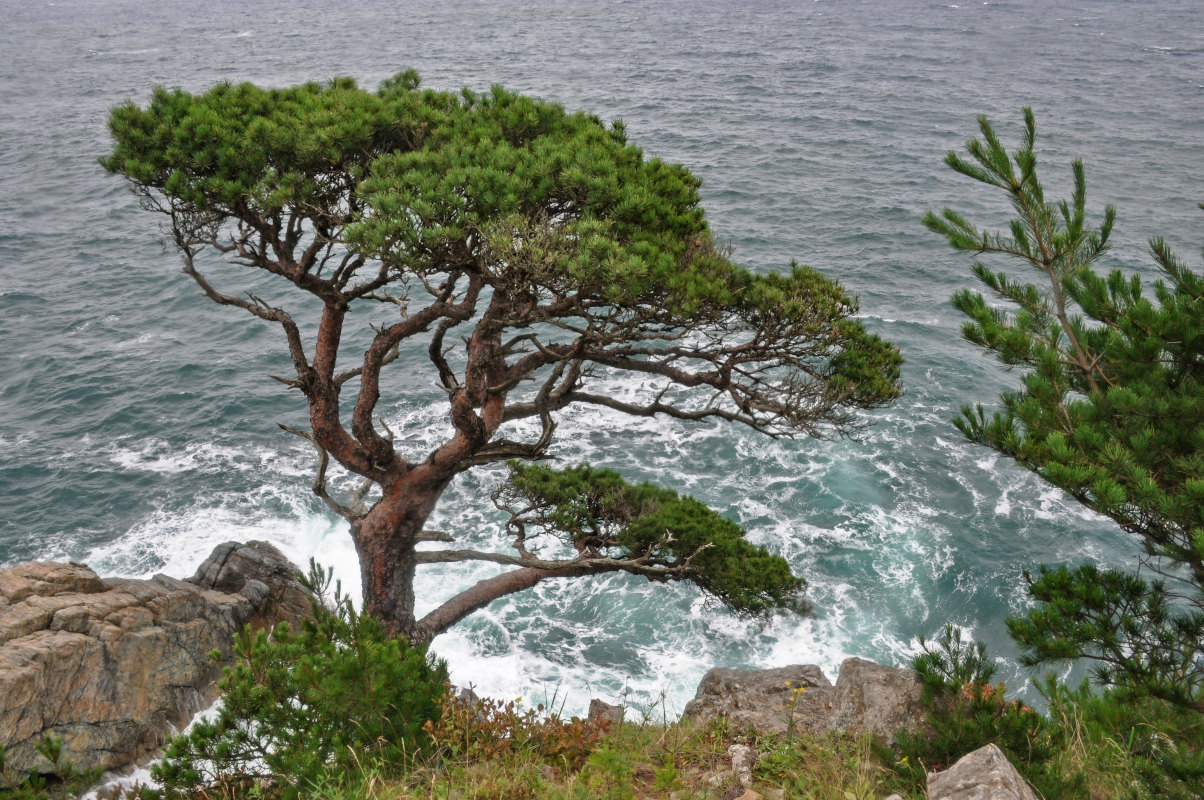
column 644, row 565
column 265, row 312
column 389, row 358
column 434, row 536
column 348, row 513
column 657, row 407
column 490, row 589
column 383, row 345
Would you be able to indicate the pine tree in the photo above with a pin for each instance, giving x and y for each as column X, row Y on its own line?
column 1111, row 410
column 528, row 255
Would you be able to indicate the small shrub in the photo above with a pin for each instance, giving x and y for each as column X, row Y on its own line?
column 60, row 780
column 485, row 729
column 298, row 706
column 967, row 711
column 609, row 774
column 1132, row 748
column 667, row 776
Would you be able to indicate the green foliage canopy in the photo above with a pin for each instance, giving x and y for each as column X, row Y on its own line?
column 596, row 511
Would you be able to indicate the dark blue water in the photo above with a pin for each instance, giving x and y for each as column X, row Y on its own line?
column 138, row 427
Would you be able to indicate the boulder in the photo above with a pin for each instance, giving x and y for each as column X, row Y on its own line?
column 876, row 699
column 602, row 712
column 767, row 700
column 866, row 697
column 111, row 665
column 985, row 774
column 258, row 572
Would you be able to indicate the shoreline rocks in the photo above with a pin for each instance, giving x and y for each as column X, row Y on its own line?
column 866, row 697
column 110, row 665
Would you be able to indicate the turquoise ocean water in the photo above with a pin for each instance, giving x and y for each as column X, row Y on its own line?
column 138, row 427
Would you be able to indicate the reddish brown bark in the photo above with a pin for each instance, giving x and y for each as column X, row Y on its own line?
column 384, row 541
column 485, row 592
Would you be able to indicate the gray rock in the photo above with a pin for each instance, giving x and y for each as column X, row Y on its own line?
column 744, row 758
column 985, row 774
column 880, row 700
column 600, row 711
column 866, row 697
column 765, row 700
column 259, row 572
column 109, row 666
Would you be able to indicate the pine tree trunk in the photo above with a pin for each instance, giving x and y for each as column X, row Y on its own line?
column 385, row 539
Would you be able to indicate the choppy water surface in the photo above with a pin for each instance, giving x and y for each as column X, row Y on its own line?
column 137, row 426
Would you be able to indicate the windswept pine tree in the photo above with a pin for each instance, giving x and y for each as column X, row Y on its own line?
column 530, row 255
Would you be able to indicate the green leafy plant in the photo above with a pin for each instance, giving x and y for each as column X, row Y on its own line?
column 609, row 773
column 297, row 706
column 648, row 530
column 59, row 779
column 1126, row 746
column 667, row 775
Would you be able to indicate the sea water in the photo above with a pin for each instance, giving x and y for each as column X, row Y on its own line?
column 138, row 427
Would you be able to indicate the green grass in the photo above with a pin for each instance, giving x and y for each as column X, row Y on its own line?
column 1103, row 747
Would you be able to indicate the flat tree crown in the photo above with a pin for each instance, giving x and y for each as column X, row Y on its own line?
column 537, row 201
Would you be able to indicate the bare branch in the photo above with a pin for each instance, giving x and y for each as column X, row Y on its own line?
column 533, row 570
column 657, row 407
column 434, row 536
column 263, row 311
column 319, row 484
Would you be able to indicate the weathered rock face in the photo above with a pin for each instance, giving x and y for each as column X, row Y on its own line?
column 762, row 699
column 880, row 700
column 258, row 572
column 985, row 774
column 866, row 697
column 108, row 665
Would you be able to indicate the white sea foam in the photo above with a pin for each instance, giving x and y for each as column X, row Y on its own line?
column 156, row 455
column 524, row 645
column 110, row 782
column 175, row 542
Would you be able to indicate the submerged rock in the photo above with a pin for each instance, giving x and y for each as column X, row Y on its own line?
column 867, row 697
column 111, row 665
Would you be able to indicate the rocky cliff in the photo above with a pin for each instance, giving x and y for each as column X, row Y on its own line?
column 109, row 665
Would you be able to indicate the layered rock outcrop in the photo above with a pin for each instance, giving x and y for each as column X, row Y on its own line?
column 866, row 697
column 109, row 665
